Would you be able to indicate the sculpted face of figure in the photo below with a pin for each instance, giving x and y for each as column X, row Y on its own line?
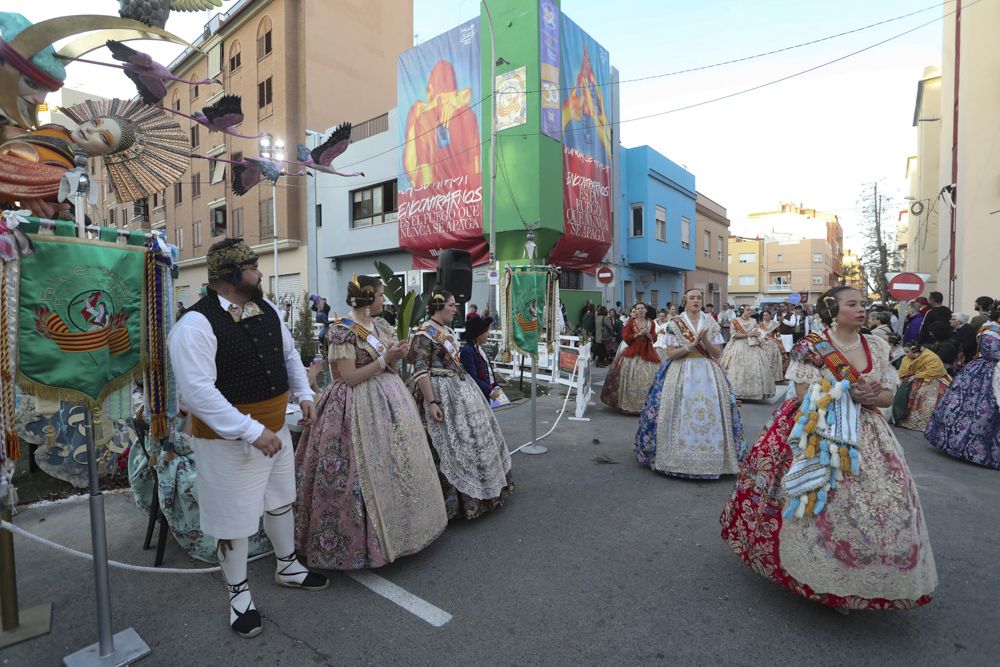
column 99, row 136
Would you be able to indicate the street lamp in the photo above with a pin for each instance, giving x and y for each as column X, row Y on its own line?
column 273, row 148
column 493, row 159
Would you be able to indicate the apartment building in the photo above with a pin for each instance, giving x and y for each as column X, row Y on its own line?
column 711, row 254
column 745, row 261
column 296, row 65
column 968, row 159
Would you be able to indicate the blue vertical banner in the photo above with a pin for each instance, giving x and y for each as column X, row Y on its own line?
column 585, row 78
column 549, row 56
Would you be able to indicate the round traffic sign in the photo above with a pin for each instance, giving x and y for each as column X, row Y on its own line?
column 605, row 275
column 906, row 286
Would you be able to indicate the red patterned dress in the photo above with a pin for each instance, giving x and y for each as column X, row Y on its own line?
column 868, row 549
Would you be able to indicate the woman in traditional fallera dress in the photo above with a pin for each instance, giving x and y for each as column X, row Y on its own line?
column 690, row 425
column 776, row 354
column 824, row 504
column 469, row 446
column 660, row 344
column 966, row 421
column 368, row 491
column 924, row 380
column 746, row 361
column 631, row 375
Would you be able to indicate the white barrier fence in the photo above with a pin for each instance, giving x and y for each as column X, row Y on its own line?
column 568, row 365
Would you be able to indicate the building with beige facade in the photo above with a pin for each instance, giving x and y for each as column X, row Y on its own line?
column 854, row 272
column 745, row 262
column 711, row 256
column 805, row 266
column 968, row 155
column 795, row 222
column 920, row 223
column 297, row 65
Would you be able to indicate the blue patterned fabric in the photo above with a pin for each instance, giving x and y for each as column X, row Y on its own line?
column 966, row 421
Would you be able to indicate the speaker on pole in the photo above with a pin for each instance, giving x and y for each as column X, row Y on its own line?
column 454, row 273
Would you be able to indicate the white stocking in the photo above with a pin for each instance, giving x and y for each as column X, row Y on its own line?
column 234, row 570
column 279, row 524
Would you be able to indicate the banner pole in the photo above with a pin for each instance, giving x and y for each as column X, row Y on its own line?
column 131, row 647
column 534, row 447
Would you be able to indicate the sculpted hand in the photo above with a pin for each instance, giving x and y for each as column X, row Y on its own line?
column 268, row 442
column 308, row 413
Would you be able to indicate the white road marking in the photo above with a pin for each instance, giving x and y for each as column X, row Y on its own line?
column 419, row 607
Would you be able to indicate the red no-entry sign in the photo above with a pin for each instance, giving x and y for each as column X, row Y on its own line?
column 605, row 275
column 906, row 286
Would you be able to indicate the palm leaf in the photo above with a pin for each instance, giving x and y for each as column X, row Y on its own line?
column 405, row 316
column 394, row 288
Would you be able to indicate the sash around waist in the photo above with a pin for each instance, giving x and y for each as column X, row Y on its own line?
column 270, row 412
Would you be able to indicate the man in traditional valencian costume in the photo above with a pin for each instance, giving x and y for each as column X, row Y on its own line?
column 235, row 364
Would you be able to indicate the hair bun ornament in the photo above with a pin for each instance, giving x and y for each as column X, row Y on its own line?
column 355, row 282
column 437, row 296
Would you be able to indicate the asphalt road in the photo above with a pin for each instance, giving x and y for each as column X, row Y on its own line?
column 589, row 564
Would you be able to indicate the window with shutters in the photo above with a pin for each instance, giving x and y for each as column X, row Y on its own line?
column 685, row 233
column 178, row 193
column 194, row 136
column 265, row 97
column 238, row 222
column 196, row 234
column 266, row 219
column 706, row 243
column 195, row 186
column 194, row 91
column 721, row 243
column 264, row 38
column 661, row 224
column 179, row 234
column 235, row 57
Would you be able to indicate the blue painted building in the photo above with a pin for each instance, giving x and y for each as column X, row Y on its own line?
column 656, row 228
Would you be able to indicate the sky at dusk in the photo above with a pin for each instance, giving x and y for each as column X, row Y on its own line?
column 814, row 139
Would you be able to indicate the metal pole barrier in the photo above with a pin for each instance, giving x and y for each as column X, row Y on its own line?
column 534, row 447
column 99, row 540
column 131, row 647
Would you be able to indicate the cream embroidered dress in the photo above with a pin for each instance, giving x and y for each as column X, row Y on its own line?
column 690, row 426
column 747, row 363
column 470, row 448
column 775, row 350
column 868, row 548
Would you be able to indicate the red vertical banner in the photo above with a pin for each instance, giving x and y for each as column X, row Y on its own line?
column 439, row 86
column 585, row 76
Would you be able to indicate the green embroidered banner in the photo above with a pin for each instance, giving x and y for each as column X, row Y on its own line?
column 526, row 302
column 80, row 317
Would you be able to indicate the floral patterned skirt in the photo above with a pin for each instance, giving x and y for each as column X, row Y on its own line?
column 627, row 384
column 966, row 421
column 924, row 397
column 342, row 517
column 867, row 550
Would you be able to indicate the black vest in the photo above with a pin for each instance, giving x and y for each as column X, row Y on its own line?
column 249, row 359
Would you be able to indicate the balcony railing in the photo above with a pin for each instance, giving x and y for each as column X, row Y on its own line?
column 779, row 287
